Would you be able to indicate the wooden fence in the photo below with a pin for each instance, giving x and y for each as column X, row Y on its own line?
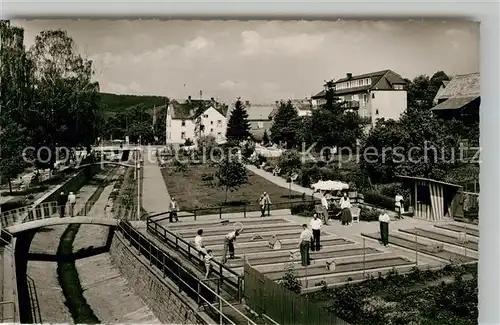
column 285, row 307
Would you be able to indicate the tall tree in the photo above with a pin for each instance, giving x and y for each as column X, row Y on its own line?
column 67, row 98
column 231, row 174
column 331, row 124
column 422, row 90
column 15, row 98
column 238, row 127
column 286, row 125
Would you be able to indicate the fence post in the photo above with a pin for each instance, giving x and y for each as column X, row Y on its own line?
column 416, row 246
column 163, row 266
column 364, row 258
column 194, row 214
column 220, row 311
column 221, row 275
column 244, row 211
column 150, row 256
column 220, row 212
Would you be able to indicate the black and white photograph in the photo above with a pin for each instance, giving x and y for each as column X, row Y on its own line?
column 242, row 172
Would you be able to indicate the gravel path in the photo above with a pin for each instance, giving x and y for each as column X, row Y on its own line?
column 108, row 293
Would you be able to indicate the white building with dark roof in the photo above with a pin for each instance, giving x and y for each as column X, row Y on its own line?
column 376, row 95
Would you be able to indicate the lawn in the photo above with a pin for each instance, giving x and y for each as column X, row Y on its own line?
column 191, row 192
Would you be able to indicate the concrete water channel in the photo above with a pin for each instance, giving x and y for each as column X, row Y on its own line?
column 106, row 291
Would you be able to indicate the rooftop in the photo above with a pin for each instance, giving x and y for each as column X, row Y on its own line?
column 383, row 79
column 192, row 108
column 465, row 85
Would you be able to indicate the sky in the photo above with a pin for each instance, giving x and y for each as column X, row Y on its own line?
column 260, row 61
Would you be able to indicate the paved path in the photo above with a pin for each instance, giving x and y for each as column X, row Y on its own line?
column 155, row 197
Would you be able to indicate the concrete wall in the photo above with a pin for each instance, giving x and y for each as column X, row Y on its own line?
column 389, row 103
column 160, row 294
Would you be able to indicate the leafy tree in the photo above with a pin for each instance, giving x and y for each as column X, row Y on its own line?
column 265, row 138
column 16, row 96
column 231, row 175
column 331, row 125
column 416, row 145
column 290, row 161
column 67, row 98
column 238, row 127
column 290, row 280
column 286, row 124
column 422, row 90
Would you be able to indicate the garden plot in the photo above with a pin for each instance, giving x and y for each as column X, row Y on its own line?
column 222, row 230
column 343, row 265
column 284, row 256
column 440, row 237
column 423, row 248
column 469, row 229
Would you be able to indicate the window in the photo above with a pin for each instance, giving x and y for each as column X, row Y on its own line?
column 170, row 135
column 205, row 115
column 373, row 95
column 376, row 111
column 211, row 130
column 398, row 87
column 183, row 135
column 219, row 122
column 368, row 81
column 260, row 125
column 365, row 99
column 183, row 123
column 212, row 122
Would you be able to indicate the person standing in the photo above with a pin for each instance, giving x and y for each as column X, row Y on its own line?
column 324, row 208
column 208, row 262
column 229, row 245
column 198, row 243
column 384, row 221
column 399, row 204
column 316, row 232
column 345, row 207
column 173, row 210
column 265, row 204
column 72, row 203
column 61, row 202
column 304, row 244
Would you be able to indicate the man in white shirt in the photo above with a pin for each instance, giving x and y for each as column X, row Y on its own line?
column 304, row 244
column 173, row 210
column 384, row 220
column 316, row 224
column 324, row 205
column 72, row 203
column 229, row 245
column 198, row 243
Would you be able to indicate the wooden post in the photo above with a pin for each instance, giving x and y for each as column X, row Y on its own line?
column 364, row 258
column 416, row 247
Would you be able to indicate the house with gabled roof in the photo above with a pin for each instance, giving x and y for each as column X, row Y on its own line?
column 376, row 95
column 460, row 98
column 259, row 118
column 193, row 118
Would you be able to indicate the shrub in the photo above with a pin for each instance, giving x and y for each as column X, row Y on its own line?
column 368, row 214
column 375, row 198
column 188, row 142
column 303, row 209
column 290, row 161
column 290, row 280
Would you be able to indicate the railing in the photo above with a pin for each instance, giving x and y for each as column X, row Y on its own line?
column 35, row 306
column 283, row 306
column 51, row 210
column 192, row 254
column 13, row 317
column 220, row 210
column 187, row 282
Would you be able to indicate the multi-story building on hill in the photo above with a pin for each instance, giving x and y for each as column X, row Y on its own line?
column 375, row 95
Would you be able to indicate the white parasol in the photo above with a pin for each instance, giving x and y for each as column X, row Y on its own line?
column 330, row 186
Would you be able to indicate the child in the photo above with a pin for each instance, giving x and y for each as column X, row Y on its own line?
column 208, row 262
